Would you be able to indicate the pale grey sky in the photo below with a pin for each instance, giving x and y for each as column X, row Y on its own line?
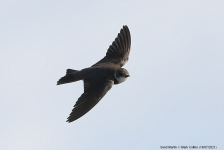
column 174, row 97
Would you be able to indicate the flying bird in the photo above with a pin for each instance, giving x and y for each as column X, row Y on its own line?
column 100, row 77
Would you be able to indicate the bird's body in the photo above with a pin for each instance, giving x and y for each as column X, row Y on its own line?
column 99, row 78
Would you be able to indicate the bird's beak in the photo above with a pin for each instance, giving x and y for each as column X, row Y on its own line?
column 127, row 76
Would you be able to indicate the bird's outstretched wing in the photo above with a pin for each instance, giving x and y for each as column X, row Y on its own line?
column 94, row 91
column 118, row 52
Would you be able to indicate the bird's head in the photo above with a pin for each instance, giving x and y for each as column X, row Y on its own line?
column 121, row 75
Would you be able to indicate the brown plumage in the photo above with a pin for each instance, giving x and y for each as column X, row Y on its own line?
column 100, row 77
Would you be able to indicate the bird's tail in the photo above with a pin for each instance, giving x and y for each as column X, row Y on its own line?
column 69, row 77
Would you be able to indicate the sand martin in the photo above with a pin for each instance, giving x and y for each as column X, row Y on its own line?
column 100, row 77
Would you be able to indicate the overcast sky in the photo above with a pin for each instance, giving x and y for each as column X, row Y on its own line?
column 174, row 97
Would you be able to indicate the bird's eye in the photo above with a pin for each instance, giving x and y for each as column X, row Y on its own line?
column 120, row 73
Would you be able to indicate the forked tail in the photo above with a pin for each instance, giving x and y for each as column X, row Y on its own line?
column 69, row 77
